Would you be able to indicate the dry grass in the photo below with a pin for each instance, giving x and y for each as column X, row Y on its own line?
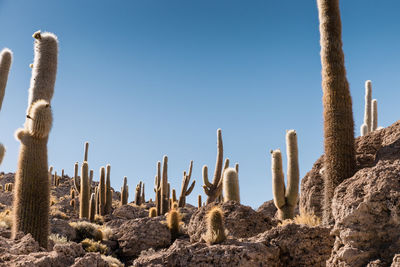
column 58, row 239
column 56, row 213
column 309, row 219
column 106, row 232
column 112, row 262
column 93, row 246
column 6, row 219
column 85, row 230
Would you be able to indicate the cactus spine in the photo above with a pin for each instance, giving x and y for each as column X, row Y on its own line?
column 164, row 187
column 92, row 207
column 5, row 64
column 32, row 186
column 124, row 192
column 213, row 190
column 339, row 160
column 285, row 199
column 215, row 227
column 108, row 204
column 84, row 199
column 231, row 185
column 102, row 191
column 185, row 183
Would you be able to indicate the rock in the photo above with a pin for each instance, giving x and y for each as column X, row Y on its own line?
column 90, row 259
column 129, row 212
column 312, row 185
column 299, row 245
column 367, row 213
column 396, row 261
column 136, row 235
column 241, row 221
column 231, row 253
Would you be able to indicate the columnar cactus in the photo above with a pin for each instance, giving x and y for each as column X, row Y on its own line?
column 92, row 207
column 32, row 188
column 138, row 194
column 231, row 185
column 76, row 178
column 85, row 158
column 374, row 122
column 199, row 201
column 363, row 129
column 216, row 232
column 143, row 197
column 367, row 107
column 90, row 180
column 174, row 195
column 97, row 199
column 285, row 199
column 102, row 191
column 339, row 159
column 84, row 196
column 157, row 190
column 185, row 183
column 108, row 205
column 153, row 212
column 173, row 222
column 124, row 192
column 213, row 190
column 5, row 64
column 164, row 187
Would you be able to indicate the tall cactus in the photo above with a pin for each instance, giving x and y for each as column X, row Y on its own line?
column 368, row 106
column 374, row 122
column 108, row 205
column 231, row 185
column 102, row 191
column 124, row 192
column 92, row 207
column 143, row 196
column 157, row 189
column 339, row 159
column 85, row 158
column 213, row 190
column 32, row 194
column 185, row 183
column 84, row 196
column 5, row 64
column 76, row 178
column 164, row 187
column 285, row 199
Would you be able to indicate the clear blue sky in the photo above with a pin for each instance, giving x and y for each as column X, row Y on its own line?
column 141, row 79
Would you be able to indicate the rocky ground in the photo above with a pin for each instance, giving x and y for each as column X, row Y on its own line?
column 366, row 232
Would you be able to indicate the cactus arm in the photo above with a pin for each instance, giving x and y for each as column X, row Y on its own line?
column 278, row 181
column 292, row 168
column 190, row 188
column 205, row 177
column 5, row 64
column 220, row 158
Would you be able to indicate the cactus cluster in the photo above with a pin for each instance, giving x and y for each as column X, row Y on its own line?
column 285, row 198
column 8, row 187
column 139, row 194
column 370, row 111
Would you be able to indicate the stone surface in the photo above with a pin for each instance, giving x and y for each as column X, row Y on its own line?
column 240, row 221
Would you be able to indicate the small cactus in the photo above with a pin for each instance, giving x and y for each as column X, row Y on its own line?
column 216, row 232
column 368, row 108
column 231, row 185
column 285, row 199
column 153, row 212
column 374, row 121
column 92, row 207
column 364, row 129
column 173, row 222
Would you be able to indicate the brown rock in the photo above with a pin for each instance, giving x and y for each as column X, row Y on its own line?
column 129, row 212
column 241, row 221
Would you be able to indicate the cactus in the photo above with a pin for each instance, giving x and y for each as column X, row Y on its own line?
column 285, row 199
column 164, row 187
column 8, row 187
column 157, row 190
column 216, row 232
column 213, row 190
column 62, row 173
column 138, row 194
column 85, row 158
column 173, row 222
column 90, row 180
column 185, row 182
column 84, row 199
column 174, row 195
column 102, row 192
column 76, row 178
column 199, row 201
column 92, row 207
column 142, row 197
column 55, row 178
column 124, row 192
column 374, row 122
column 72, row 203
column 5, row 64
column 367, row 107
column 364, row 129
column 108, row 206
column 231, row 185
column 72, row 193
column 339, row 159
column 153, row 212
column 97, row 199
